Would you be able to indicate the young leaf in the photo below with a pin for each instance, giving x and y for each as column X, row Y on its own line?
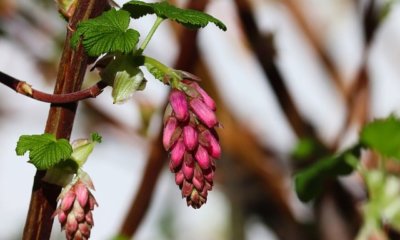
column 82, row 148
column 124, row 75
column 383, row 135
column 188, row 17
column 45, row 150
column 309, row 182
column 107, row 33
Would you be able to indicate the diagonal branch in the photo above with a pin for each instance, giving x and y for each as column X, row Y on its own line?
column 26, row 89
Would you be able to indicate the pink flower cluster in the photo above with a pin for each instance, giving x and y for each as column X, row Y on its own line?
column 192, row 141
column 75, row 211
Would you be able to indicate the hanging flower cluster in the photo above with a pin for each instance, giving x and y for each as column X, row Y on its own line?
column 190, row 137
column 75, row 210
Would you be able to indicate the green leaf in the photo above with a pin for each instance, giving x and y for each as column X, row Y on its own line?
column 383, row 136
column 310, row 181
column 188, row 17
column 107, row 33
column 126, row 84
column 45, row 150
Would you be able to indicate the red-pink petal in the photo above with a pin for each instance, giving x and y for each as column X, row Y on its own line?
column 179, row 104
column 202, row 157
column 190, row 137
column 187, row 188
column 206, row 98
column 177, row 152
column 67, row 201
column 169, row 130
column 82, row 193
column 179, row 177
column 210, row 141
column 203, row 112
column 188, row 166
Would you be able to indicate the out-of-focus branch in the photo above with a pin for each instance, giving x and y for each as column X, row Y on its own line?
column 26, row 89
column 60, row 120
column 358, row 101
column 264, row 50
column 238, row 141
column 142, row 201
column 293, row 7
column 139, row 207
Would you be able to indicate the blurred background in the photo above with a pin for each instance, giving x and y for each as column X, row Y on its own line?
column 293, row 79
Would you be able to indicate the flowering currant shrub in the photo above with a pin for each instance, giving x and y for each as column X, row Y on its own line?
column 189, row 133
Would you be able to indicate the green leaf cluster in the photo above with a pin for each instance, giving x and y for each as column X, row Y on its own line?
column 45, row 150
column 108, row 33
column 310, row 181
column 187, row 17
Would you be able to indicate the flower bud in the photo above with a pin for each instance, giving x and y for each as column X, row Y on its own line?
column 179, row 104
column 187, row 188
column 188, row 167
column 82, row 194
column 208, row 140
column 179, row 177
column 169, row 130
column 177, row 153
column 190, row 137
column 206, row 98
column 203, row 112
column 202, row 157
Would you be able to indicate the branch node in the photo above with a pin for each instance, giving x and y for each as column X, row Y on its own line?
column 24, row 88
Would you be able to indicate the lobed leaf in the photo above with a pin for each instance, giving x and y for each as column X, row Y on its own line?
column 188, row 17
column 310, row 181
column 383, row 136
column 107, row 33
column 45, row 150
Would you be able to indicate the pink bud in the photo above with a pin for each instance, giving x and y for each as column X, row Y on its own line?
column 62, row 217
column 67, row 201
column 177, row 153
column 71, row 226
column 210, row 141
column 188, row 166
column 82, row 193
column 202, row 157
column 203, row 112
column 197, row 183
column 179, row 177
column 169, row 130
column 206, row 98
column 179, row 104
column 78, row 212
column 84, row 228
column 190, row 137
column 209, row 175
column 187, row 188
column 89, row 218
column 92, row 202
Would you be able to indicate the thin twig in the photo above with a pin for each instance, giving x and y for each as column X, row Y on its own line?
column 26, row 89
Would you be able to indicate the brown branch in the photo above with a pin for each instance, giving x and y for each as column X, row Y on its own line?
column 60, row 121
column 312, row 37
column 141, row 202
column 264, row 49
column 26, row 89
